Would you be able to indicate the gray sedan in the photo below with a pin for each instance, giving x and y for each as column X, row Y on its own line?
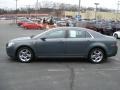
column 63, row 42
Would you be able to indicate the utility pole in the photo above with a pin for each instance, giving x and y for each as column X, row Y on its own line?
column 96, row 4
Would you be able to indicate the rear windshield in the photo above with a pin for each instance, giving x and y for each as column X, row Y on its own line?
column 96, row 34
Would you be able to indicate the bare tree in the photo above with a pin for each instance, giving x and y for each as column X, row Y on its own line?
column 46, row 4
column 73, row 8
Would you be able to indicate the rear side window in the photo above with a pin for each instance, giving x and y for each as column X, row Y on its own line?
column 78, row 34
column 87, row 35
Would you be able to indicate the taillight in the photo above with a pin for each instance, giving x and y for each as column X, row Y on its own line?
column 114, row 44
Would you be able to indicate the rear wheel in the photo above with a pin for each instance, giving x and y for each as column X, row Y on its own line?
column 96, row 55
column 25, row 55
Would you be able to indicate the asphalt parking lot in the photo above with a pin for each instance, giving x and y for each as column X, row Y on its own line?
column 54, row 74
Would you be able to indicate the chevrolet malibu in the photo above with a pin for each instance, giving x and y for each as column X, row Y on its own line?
column 63, row 42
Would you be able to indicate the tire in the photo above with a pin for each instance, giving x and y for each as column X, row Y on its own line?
column 26, row 28
column 96, row 56
column 25, row 55
column 116, row 36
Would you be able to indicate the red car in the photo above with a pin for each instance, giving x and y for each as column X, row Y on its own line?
column 32, row 25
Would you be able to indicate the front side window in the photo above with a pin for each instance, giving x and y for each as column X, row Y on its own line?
column 56, row 34
column 88, row 35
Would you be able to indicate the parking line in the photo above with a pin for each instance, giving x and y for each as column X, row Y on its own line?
column 117, row 59
column 56, row 70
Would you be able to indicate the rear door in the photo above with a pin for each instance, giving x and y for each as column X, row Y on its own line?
column 77, row 43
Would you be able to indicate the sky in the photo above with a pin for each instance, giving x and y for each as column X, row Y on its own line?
column 10, row 4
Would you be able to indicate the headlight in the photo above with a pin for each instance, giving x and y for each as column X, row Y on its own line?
column 10, row 44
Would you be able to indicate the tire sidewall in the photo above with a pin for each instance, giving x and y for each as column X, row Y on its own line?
column 17, row 56
column 116, row 36
column 89, row 56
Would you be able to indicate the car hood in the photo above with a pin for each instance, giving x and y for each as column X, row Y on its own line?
column 20, row 39
column 117, row 32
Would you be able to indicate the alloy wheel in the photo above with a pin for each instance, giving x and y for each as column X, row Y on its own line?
column 96, row 55
column 25, row 55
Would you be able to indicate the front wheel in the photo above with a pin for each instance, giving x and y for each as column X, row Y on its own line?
column 25, row 55
column 96, row 55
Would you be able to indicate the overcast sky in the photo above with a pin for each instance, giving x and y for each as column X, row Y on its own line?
column 111, row 4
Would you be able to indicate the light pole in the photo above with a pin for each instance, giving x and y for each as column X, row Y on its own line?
column 36, row 8
column 16, row 11
column 79, row 7
column 117, row 9
column 96, row 4
column 28, row 10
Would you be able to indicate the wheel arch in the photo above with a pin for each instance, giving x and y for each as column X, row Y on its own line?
column 100, row 47
column 116, row 34
column 24, row 46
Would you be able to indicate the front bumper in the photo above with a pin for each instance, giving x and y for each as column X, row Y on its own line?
column 10, row 51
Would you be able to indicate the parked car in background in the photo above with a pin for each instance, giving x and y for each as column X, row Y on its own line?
column 87, row 24
column 116, row 34
column 104, row 28
column 61, row 23
column 32, row 25
column 99, row 26
column 115, row 25
column 20, row 22
column 63, row 42
column 3, row 18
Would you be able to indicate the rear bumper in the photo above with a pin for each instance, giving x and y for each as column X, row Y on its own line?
column 112, row 51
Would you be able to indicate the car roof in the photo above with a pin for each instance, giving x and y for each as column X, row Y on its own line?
column 92, row 32
column 77, row 28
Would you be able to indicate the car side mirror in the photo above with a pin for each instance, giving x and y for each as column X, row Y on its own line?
column 43, row 39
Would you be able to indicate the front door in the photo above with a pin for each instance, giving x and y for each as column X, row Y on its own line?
column 52, row 45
